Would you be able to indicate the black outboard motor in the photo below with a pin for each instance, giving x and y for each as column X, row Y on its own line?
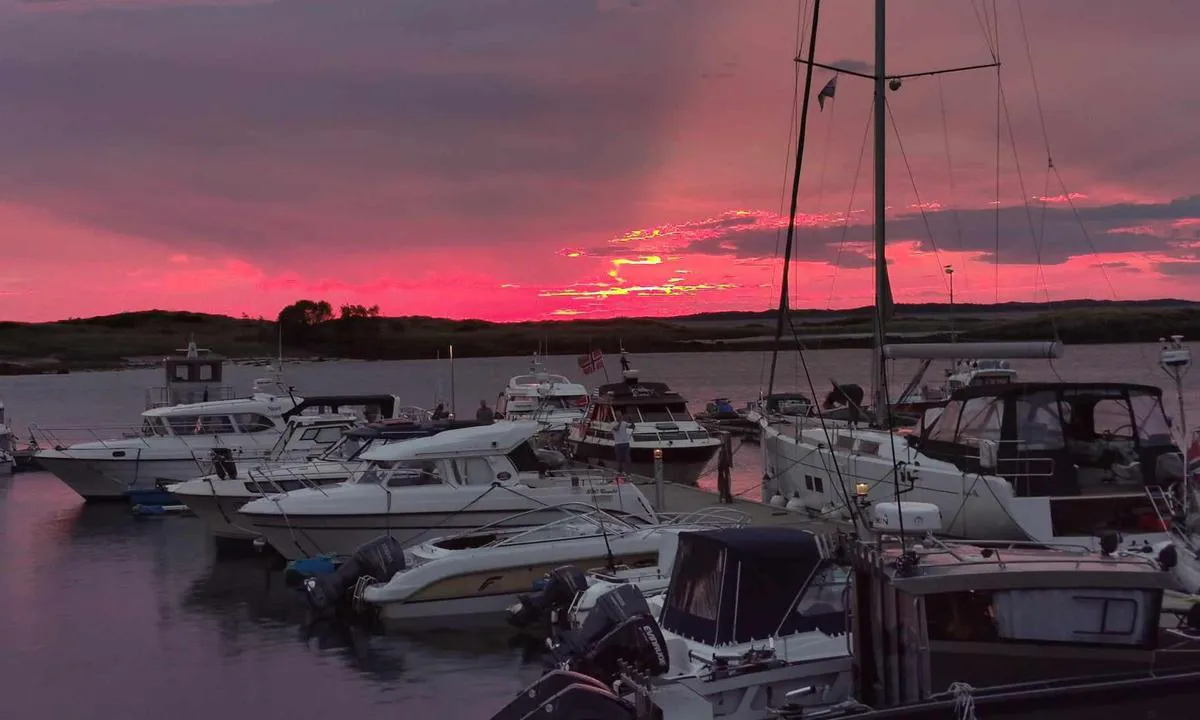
column 561, row 586
column 636, row 645
column 612, row 608
column 223, row 464
column 378, row 559
column 553, row 685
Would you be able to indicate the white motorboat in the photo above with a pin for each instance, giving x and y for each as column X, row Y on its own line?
column 543, row 397
column 418, row 489
column 476, row 576
column 217, row 497
column 186, row 418
column 750, row 617
column 661, row 424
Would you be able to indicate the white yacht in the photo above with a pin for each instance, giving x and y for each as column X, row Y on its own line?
column 661, row 423
column 552, row 400
column 475, row 576
column 316, row 451
column 186, row 418
column 421, row 488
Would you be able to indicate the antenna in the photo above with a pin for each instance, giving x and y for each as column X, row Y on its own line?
column 453, row 406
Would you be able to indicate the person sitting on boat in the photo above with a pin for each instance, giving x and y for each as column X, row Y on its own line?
column 724, row 407
column 439, row 412
column 622, row 434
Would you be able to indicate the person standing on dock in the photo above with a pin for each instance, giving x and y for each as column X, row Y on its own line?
column 622, row 434
column 724, row 466
column 484, row 414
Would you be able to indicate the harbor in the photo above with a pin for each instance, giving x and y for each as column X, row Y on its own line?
column 186, row 615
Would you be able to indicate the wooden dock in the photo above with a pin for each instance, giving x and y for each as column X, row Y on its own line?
column 686, row 498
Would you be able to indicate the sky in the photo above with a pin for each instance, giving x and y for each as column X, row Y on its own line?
column 543, row 159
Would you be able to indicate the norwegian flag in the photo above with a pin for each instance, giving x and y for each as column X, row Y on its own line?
column 591, row 362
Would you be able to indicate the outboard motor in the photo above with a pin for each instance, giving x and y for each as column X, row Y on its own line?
column 636, row 645
column 554, row 685
column 559, row 588
column 223, row 464
column 612, row 608
column 378, row 559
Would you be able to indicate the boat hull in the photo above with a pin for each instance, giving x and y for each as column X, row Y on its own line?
column 300, row 536
column 483, row 596
column 113, row 479
column 219, row 513
column 683, row 465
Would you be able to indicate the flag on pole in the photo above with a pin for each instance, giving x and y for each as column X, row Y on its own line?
column 591, row 362
column 827, row 91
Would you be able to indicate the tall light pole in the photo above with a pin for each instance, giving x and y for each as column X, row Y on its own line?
column 949, row 270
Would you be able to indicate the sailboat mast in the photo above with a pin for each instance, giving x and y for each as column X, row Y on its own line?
column 883, row 293
column 784, row 286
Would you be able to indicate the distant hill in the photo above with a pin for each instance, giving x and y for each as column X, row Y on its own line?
column 112, row 340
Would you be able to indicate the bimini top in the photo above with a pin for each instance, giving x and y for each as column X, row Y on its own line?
column 385, row 405
column 738, row 585
column 494, row 439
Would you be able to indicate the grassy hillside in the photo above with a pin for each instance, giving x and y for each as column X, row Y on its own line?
column 109, row 341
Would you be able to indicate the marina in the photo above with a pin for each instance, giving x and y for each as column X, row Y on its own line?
column 374, row 501
column 62, row 553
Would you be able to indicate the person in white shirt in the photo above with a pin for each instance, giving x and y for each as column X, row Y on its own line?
column 622, row 432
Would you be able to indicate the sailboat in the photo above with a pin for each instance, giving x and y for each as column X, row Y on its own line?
column 1019, row 461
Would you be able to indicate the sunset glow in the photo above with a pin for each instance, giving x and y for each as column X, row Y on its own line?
column 558, row 160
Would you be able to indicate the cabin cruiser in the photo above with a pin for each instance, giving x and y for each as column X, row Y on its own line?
column 552, row 400
column 315, row 451
column 418, row 489
column 475, row 576
column 190, row 415
column 662, row 426
column 1044, row 462
column 750, row 616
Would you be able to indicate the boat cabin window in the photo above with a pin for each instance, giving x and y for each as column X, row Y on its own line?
column 253, row 422
column 1040, row 418
column 201, row 424
column 980, row 419
column 345, row 449
column 673, row 412
column 323, row 435
column 565, row 402
column 1150, row 419
column 1111, row 417
column 945, row 426
column 401, row 473
column 826, row 594
column 154, row 427
column 1079, row 616
column 524, row 458
column 473, row 471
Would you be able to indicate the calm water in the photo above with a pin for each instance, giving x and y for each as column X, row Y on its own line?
column 105, row 616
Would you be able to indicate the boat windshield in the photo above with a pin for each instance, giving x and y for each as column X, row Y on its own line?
column 400, row 473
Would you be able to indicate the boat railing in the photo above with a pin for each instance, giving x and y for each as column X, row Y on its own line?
column 574, row 513
column 297, row 473
column 186, row 394
column 716, row 517
column 992, row 553
column 62, row 436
